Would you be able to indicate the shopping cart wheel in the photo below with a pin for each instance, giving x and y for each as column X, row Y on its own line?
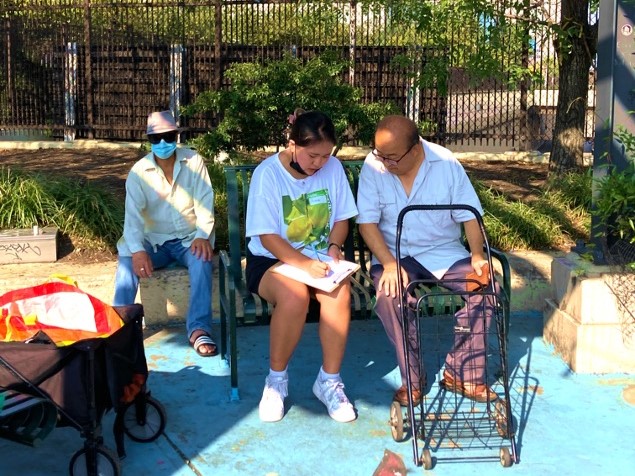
column 107, row 463
column 144, row 419
column 396, row 421
column 505, row 457
column 500, row 417
column 426, row 459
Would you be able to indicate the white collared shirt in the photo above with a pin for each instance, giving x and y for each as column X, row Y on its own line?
column 433, row 238
column 158, row 211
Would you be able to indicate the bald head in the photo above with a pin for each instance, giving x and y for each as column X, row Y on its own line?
column 395, row 140
column 401, row 129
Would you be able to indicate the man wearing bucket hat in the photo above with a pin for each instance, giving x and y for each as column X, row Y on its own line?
column 169, row 217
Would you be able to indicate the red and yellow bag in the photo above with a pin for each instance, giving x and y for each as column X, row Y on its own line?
column 65, row 313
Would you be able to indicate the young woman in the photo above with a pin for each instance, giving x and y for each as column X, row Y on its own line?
column 299, row 206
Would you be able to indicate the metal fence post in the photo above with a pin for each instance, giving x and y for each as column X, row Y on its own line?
column 218, row 38
column 70, row 90
column 88, row 64
column 413, row 95
column 352, row 38
column 176, row 80
column 10, row 84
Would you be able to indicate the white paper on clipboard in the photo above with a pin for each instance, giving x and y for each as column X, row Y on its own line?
column 339, row 272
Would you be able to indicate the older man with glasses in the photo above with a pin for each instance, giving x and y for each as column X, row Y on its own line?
column 169, row 217
column 403, row 170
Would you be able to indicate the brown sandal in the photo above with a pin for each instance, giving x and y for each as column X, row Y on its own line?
column 401, row 396
column 479, row 392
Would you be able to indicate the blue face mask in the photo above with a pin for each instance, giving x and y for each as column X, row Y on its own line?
column 163, row 150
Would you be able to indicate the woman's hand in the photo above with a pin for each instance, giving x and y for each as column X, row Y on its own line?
column 335, row 253
column 318, row 269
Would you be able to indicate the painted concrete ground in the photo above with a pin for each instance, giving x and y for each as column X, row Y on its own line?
column 567, row 424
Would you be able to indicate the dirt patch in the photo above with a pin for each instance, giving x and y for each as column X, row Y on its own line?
column 109, row 168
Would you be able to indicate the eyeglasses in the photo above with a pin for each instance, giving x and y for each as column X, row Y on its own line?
column 167, row 136
column 392, row 161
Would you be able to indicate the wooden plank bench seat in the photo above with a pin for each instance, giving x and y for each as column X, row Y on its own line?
column 239, row 307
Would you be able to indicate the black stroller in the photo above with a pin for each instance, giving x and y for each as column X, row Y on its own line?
column 45, row 386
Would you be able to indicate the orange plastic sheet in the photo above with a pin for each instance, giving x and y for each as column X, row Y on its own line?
column 65, row 313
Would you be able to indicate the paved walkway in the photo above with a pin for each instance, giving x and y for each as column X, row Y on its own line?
column 568, row 424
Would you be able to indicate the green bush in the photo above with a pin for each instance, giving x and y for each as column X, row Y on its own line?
column 615, row 203
column 93, row 217
column 84, row 211
column 254, row 110
column 558, row 216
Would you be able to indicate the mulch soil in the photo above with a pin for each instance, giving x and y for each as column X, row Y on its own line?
column 109, row 168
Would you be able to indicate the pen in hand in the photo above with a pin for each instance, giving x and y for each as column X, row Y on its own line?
column 317, row 257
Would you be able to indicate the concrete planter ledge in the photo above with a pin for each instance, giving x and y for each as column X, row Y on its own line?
column 583, row 320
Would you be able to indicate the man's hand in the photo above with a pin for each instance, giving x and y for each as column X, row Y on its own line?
column 388, row 281
column 202, row 249
column 480, row 276
column 142, row 264
column 479, row 264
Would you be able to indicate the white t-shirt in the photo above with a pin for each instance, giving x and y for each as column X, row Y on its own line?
column 302, row 211
column 433, row 238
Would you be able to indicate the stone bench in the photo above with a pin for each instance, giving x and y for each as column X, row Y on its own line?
column 165, row 296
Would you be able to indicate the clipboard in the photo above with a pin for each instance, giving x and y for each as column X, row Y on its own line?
column 339, row 272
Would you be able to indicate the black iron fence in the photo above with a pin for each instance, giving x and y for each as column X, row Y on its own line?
column 95, row 68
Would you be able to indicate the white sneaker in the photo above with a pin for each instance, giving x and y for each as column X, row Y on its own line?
column 271, row 406
column 331, row 393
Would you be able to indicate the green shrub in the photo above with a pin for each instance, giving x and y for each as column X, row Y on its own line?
column 83, row 210
column 515, row 225
column 615, row 202
column 254, row 110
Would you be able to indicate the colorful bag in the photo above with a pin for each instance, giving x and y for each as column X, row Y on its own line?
column 61, row 310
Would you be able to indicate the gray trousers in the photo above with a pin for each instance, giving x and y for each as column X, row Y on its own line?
column 466, row 360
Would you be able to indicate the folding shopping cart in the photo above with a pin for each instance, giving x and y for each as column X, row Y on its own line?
column 452, row 420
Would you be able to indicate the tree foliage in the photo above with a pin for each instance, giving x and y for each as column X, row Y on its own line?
column 497, row 35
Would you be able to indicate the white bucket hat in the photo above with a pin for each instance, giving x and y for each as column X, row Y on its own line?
column 159, row 122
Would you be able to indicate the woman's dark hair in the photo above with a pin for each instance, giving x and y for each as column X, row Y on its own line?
column 311, row 127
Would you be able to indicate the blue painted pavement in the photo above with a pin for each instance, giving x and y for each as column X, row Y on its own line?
column 567, row 424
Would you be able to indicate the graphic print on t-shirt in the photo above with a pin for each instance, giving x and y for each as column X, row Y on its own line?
column 307, row 218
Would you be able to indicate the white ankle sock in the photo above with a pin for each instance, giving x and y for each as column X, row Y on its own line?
column 278, row 375
column 327, row 376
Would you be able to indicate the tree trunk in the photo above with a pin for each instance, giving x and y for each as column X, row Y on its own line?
column 575, row 49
